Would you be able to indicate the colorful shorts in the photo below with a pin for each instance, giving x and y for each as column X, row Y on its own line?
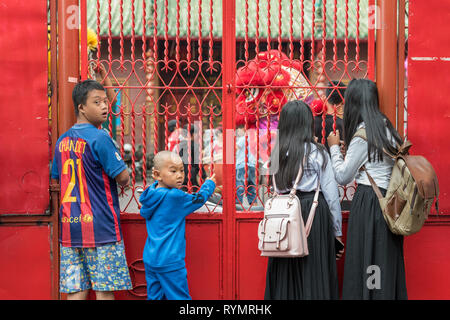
column 101, row 269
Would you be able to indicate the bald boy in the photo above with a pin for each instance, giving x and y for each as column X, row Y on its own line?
column 165, row 207
column 163, row 156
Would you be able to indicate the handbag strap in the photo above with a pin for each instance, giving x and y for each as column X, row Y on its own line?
column 312, row 212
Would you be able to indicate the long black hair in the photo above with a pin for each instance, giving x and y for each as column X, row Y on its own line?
column 295, row 136
column 361, row 105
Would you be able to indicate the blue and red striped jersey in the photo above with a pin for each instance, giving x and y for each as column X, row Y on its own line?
column 86, row 162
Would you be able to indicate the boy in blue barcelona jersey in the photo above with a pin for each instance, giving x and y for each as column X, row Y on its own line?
column 164, row 208
column 88, row 166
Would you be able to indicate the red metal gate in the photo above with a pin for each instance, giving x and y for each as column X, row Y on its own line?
column 427, row 253
column 178, row 60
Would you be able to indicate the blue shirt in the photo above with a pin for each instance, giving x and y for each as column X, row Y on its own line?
column 86, row 163
column 240, row 153
column 165, row 211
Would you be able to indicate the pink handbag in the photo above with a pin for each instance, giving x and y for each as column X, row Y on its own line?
column 282, row 232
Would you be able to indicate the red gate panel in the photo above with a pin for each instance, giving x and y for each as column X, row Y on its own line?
column 427, row 253
column 427, row 261
column 250, row 266
column 24, row 160
column 428, row 83
column 27, row 270
column 204, row 258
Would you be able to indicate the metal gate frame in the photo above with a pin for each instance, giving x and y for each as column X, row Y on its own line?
column 427, row 251
column 230, row 219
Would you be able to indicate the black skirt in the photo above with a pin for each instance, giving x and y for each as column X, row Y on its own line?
column 313, row 276
column 374, row 266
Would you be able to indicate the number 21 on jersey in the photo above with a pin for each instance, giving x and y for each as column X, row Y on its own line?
column 70, row 163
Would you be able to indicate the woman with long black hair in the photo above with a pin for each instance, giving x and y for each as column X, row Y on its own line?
column 374, row 265
column 313, row 276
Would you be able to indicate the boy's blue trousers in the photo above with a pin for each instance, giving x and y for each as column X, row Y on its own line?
column 171, row 285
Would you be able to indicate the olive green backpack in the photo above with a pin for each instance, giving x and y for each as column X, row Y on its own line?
column 411, row 192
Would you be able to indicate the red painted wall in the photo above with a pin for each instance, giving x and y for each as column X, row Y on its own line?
column 427, row 254
column 27, row 269
column 427, row 259
column 428, row 87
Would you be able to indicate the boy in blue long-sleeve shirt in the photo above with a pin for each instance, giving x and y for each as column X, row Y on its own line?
column 165, row 208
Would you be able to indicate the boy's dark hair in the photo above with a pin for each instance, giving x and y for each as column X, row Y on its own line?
column 335, row 96
column 81, row 91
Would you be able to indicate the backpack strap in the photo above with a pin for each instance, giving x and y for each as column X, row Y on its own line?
column 374, row 185
column 296, row 182
column 361, row 133
column 403, row 149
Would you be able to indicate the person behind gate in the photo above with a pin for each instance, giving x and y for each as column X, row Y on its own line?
column 165, row 208
column 374, row 265
column 334, row 102
column 88, row 166
column 240, row 169
column 315, row 275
